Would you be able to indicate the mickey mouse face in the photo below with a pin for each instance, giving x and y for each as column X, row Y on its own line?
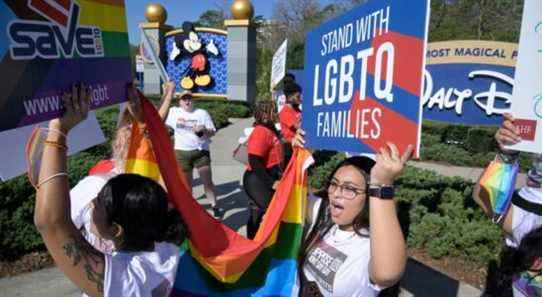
column 192, row 44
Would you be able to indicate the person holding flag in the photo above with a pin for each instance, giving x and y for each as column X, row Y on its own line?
column 521, row 220
column 141, row 265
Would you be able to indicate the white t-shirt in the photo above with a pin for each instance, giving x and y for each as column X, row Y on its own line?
column 183, row 122
column 81, row 197
column 142, row 274
column 339, row 263
column 126, row 274
column 524, row 221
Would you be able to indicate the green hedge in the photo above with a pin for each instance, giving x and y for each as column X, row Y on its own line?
column 18, row 236
column 471, row 146
column 220, row 111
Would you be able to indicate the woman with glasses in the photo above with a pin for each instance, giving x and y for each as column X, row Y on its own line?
column 193, row 131
column 354, row 244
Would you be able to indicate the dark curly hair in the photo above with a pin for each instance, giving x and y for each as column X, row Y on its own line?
column 515, row 261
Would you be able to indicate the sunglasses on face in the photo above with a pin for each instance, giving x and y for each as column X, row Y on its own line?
column 347, row 191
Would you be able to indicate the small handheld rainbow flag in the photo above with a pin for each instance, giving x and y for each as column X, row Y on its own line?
column 499, row 181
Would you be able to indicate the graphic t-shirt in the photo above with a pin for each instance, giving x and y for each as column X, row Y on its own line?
column 527, row 284
column 264, row 143
column 288, row 118
column 339, row 264
column 524, row 221
column 183, row 122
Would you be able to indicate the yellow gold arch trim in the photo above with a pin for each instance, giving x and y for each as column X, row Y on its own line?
column 199, row 29
column 206, row 96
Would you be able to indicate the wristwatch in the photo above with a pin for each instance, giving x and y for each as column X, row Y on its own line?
column 381, row 191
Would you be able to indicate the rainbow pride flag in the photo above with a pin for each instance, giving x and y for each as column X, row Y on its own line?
column 79, row 41
column 216, row 260
column 140, row 158
column 499, row 181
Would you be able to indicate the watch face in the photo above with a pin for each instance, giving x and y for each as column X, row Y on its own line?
column 386, row 192
column 382, row 192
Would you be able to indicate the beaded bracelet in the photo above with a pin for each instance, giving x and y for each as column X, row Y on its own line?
column 56, row 131
column 56, row 144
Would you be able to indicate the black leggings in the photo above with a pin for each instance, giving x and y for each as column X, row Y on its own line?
column 259, row 195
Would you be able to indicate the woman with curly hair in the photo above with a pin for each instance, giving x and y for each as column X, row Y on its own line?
column 265, row 159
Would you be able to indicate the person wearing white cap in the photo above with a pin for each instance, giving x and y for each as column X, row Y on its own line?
column 193, row 131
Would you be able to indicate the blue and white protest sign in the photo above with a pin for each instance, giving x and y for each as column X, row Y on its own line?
column 364, row 72
column 527, row 96
column 469, row 82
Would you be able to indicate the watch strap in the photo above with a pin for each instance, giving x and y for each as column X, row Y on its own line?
column 382, row 192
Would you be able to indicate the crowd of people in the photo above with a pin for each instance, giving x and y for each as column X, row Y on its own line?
column 351, row 224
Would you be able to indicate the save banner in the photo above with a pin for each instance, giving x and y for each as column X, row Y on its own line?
column 47, row 45
column 364, row 72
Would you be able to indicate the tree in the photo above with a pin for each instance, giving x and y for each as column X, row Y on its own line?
column 212, row 19
column 497, row 20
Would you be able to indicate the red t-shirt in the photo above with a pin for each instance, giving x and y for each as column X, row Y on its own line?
column 264, row 143
column 288, row 118
column 103, row 166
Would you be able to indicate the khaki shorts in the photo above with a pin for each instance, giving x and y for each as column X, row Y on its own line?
column 195, row 158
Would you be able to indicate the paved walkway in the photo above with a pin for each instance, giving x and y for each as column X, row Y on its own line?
column 419, row 280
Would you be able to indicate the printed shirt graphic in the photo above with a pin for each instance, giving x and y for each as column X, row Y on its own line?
column 527, row 285
column 339, row 264
column 524, row 221
column 183, row 122
column 324, row 262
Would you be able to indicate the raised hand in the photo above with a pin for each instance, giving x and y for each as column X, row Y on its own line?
column 389, row 164
column 77, row 105
column 507, row 134
column 299, row 138
column 134, row 103
column 168, row 88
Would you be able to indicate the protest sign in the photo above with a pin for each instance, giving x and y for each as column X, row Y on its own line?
column 278, row 65
column 527, row 95
column 469, row 82
column 46, row 46
column 86, row 134
column 363, row 73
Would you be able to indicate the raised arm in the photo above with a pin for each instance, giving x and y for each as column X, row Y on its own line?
column 388, row 249
column 169, row 90
column 72, row 254
column 506, row 135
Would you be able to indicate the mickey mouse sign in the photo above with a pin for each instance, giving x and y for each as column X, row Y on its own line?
column 189, row 44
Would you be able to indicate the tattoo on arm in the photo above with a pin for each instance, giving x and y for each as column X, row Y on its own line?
column 80, row 251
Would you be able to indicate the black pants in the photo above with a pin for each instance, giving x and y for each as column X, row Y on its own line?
column 259, row 195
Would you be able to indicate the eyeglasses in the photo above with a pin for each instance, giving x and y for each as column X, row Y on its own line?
column 346, row 191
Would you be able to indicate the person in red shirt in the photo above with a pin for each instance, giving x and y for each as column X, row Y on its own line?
column 265, row 158
column 290, row 116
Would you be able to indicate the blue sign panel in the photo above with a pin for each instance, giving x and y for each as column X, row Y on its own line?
column 469, row 82
column 363, row 77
